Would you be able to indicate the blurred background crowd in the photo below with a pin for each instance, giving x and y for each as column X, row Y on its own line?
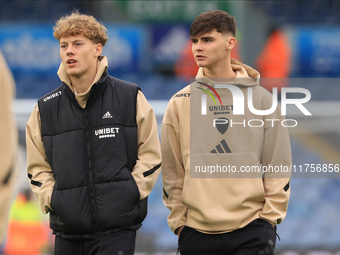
column 291, row 43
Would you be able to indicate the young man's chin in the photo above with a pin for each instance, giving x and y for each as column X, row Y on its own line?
column 201, row 65
column 72, row 72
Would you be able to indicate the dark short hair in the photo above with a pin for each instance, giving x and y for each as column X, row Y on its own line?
column 208, row 21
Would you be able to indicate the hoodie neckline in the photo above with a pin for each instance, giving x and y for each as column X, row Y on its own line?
column 245, row 76
column 102, row 65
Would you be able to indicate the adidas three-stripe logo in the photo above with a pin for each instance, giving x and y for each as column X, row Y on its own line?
column 219, row 149
column 107, row 115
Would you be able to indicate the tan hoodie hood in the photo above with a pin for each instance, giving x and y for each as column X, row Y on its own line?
column 81, row 98
column 245, row 75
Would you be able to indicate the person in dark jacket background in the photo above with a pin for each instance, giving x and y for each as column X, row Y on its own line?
column 93, row 153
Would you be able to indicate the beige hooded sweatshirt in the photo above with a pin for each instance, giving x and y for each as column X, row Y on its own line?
column 147, row 135
column 8, row 145
column 203, row 162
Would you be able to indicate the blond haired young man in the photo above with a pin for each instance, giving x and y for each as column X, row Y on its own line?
column 216, row 207
column 93, row 148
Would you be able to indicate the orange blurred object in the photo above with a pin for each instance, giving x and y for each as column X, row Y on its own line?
column 26, row 238
column 28, row 233
column 274, row 61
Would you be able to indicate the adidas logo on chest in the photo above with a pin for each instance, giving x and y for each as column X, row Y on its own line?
column 109, row 131
column 107, row 115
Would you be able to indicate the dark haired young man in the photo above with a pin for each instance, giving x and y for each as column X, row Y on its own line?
column 213, row 211
column 93, row 153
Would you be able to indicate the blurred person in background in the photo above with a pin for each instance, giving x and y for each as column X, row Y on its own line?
column 225, row 215
column 28, row 231
column 274, row 61
column 93, row 153
column 8, row 147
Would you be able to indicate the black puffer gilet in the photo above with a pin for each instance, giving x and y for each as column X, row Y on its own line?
column 92, row 152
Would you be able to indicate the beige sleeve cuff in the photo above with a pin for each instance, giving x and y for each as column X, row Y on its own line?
column 147, row 168
column 173, row 174
column 277, row 194
column 39, row 171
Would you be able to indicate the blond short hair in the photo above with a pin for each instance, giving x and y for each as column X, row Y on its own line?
column 76, row 24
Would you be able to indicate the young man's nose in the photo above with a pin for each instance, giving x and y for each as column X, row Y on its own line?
column 69, row 50
column 198, row 46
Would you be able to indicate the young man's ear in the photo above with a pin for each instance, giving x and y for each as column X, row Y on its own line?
column 231, row 42
column 99, row 49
